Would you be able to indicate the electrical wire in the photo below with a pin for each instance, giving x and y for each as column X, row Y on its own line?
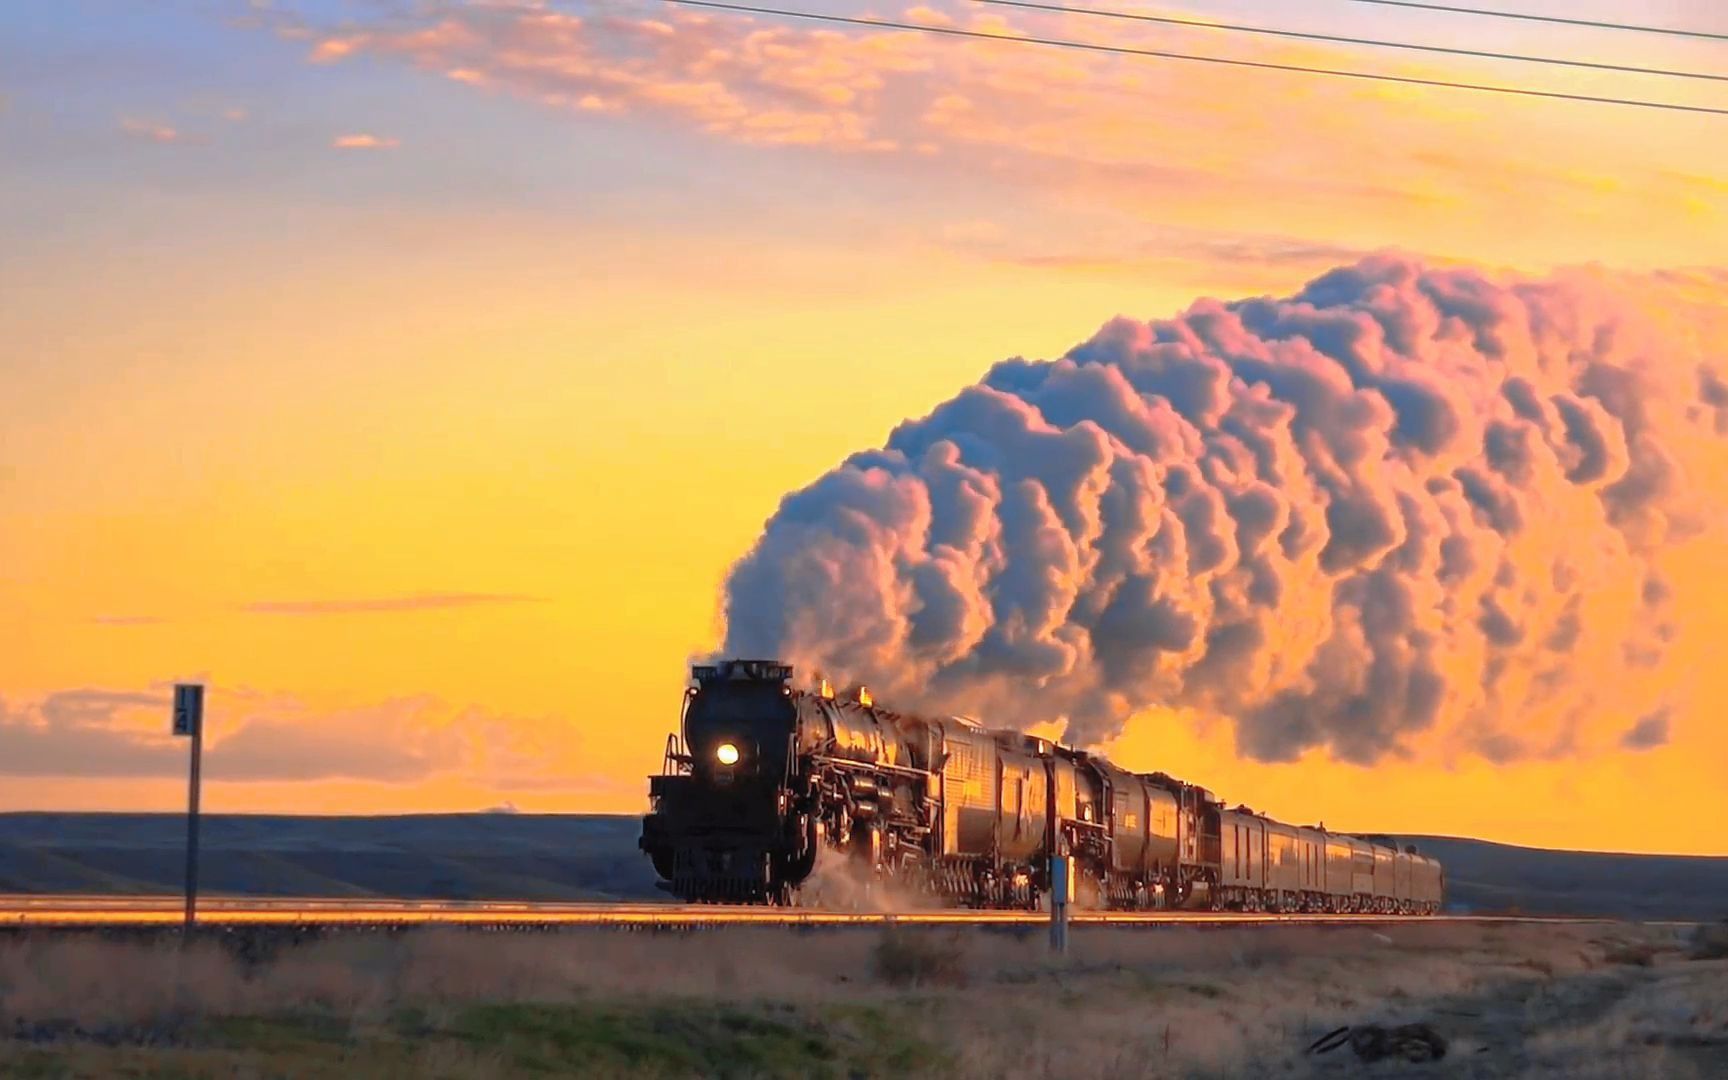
column 1595, row 24
column 1523, row 58
column 1263, row 65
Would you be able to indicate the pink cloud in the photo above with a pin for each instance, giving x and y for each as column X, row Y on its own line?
column 259, row 736
column 1001, row 105
column 1217, row 148
column 729, row 77
column 364, row 141
column 151, row 131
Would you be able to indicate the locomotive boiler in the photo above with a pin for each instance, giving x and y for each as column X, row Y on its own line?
column 765, row 781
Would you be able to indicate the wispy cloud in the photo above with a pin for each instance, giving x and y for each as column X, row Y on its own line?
column 1155, row 248
column 364, row 141
column 152, row 130
column 1216, row 147
column 372, row 605
column 882, row 90
column 127, row 620
column 1649, row 732
column 264, row 737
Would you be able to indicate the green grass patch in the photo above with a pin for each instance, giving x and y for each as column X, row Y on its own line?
column 660, row 1039
column 888, row 1039
column 283, row 1033
column 34, row 1065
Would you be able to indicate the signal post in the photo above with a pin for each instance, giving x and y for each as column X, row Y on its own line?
column 189, row 723
column 1061, row 897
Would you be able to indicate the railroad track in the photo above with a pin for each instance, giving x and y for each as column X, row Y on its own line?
column 97, row 912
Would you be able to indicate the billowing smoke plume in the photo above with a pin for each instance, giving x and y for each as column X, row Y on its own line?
column 1406, row 502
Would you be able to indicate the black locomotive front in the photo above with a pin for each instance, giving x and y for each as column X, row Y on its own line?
column 720, row 826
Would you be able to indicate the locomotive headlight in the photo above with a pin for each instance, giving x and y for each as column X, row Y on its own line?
column 726, row 754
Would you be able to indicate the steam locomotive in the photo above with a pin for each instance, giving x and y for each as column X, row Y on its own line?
column 766, row 779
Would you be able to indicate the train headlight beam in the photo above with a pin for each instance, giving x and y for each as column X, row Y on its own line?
column 726, row 754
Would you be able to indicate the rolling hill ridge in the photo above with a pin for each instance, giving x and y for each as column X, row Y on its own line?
column 593, row 857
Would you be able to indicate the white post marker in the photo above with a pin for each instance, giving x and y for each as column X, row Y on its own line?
column 189, row 723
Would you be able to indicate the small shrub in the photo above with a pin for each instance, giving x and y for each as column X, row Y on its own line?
column 1630, row 953
column 903, row 958
column 1710, row 941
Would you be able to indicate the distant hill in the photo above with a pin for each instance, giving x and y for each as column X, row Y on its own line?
column 1488, row 877
column 594, row 857
column 431, row 856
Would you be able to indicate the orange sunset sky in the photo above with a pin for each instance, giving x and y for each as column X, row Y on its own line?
column 414, row 374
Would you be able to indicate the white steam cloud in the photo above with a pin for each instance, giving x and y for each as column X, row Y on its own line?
column 1405, row 502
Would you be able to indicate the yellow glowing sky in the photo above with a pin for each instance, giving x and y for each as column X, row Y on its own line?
column 429, row 450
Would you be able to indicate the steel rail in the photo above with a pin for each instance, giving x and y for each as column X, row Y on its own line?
column 104, row 912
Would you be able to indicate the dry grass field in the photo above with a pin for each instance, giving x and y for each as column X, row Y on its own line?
column 1577, row 1000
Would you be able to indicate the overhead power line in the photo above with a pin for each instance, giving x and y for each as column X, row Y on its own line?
column 1522, row 58
column 1595, row 24
column 1262, row 65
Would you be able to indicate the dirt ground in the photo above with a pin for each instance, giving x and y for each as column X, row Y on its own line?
column 1606, row 1000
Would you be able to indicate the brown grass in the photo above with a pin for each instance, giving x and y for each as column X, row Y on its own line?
column 914, row 958
column 1511, row 1000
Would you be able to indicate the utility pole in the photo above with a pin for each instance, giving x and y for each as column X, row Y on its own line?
column 189, row 723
